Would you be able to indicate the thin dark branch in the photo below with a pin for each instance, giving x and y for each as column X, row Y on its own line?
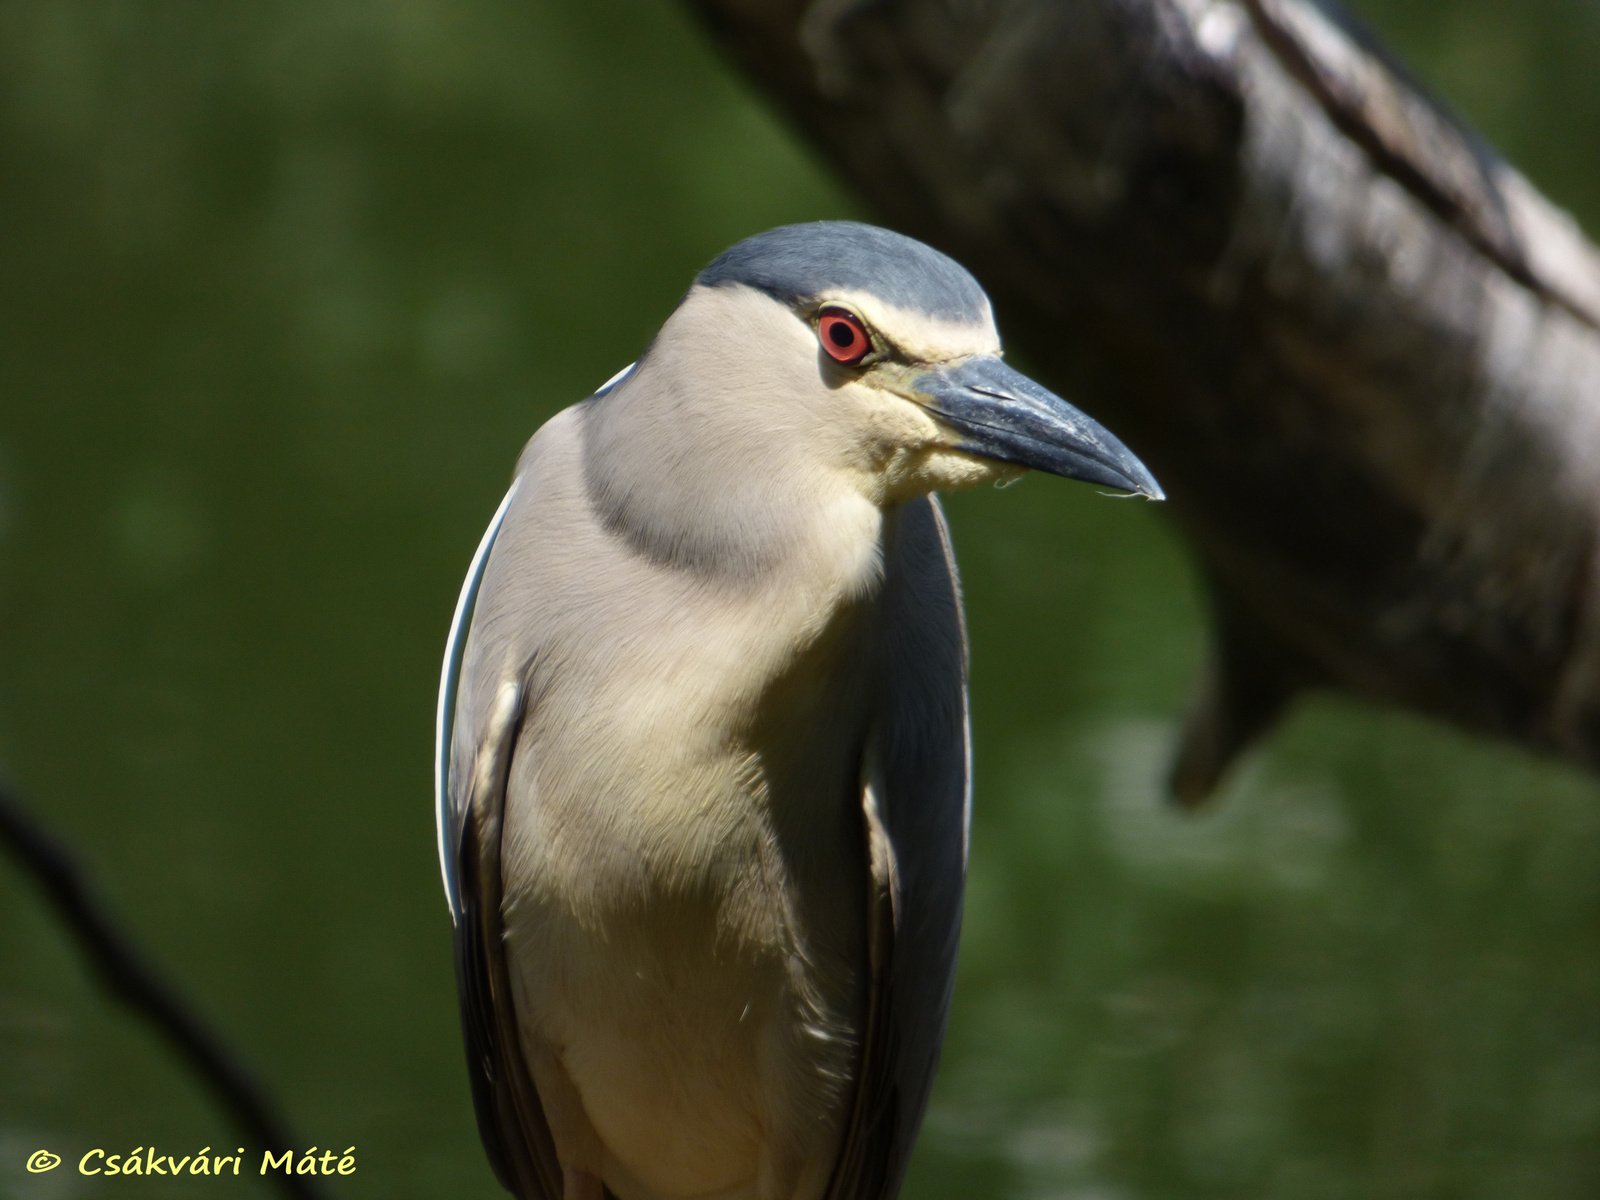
column 134, row 982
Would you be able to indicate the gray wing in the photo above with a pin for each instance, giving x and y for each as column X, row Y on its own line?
column 470, row 786
column 916, row 801
column 469, row 801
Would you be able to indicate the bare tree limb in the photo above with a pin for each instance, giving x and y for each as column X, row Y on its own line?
column 1361, row 352
column 128, row 977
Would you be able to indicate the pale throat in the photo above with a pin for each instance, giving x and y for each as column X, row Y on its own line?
column 906, row 452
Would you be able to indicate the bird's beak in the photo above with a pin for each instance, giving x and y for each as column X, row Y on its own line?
column 1002, row 414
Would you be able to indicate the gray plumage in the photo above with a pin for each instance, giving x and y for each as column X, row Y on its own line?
column 797, row 262
column 703, row 783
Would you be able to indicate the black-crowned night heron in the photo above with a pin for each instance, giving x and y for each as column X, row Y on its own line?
column 703, row 756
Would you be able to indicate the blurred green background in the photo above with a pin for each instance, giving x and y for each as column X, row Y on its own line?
column 285, row 285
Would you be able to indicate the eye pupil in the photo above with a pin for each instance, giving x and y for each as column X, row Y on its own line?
column 842, row 336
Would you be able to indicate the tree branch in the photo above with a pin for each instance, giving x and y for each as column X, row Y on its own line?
column 134, row 982
column 1361, row 353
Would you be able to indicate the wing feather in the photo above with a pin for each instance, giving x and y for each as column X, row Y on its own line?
column 511, row 1120
column 468, row 809
column 916, row 801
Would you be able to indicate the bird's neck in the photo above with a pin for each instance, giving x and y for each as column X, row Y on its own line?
column 744, row 504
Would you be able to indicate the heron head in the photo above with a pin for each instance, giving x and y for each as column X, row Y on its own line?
column 884, row 353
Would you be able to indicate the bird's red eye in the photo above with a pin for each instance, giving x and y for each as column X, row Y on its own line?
column 843, row 336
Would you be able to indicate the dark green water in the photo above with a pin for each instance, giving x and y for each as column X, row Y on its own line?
column 284, row 287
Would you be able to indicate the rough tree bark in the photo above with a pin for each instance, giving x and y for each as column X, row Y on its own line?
column 1361, row 353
